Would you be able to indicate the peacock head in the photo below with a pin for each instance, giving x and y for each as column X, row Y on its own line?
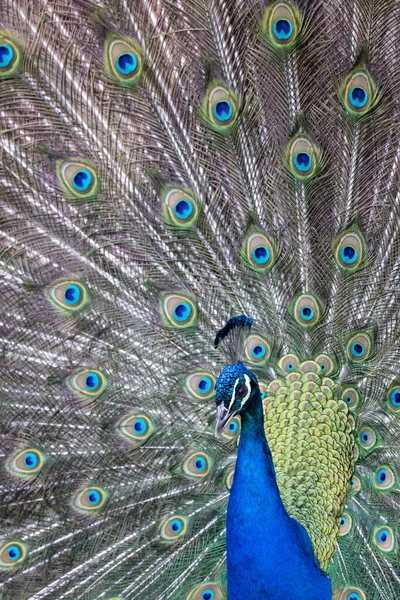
column 234, row 391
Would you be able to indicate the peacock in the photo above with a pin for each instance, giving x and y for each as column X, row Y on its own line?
column 200, row 332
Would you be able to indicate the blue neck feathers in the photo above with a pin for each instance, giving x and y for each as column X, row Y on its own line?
column 269, row 554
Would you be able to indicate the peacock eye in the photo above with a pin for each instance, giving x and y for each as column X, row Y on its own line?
column 90, row 499
column 241, row 391
column 206, row 591
column 10, row 56
column 174, row 528
column 123, row 60
column 26, row 463
column 137, row 428
column 12, row 553
column 68, row 296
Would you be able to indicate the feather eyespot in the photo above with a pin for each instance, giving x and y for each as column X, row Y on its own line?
column 282, row 23
column 352, row 594
column 384, row 538
column 355, row 484
column 384, row 478
column 231, row 429
column 78, row 180
column 201, row 385
column 351, row 397
column 349, row 251
column 197, row 465
column 68, row 296
column 393, row 399
column 258, row 252
column 123, row 60
column 326, row 363
column 88, row 384
column 302, row 157
column 180, row 208
column 367, row 438
column 137, row 428
column 174, row 528
column 359, row 347
column 289, row 363
column 220, row 108
column 179, row 311
column 90, row 499
column 206, row 591
column 359, row 94
column 12, row 554
column 345, row 524
column 10, row 56
column 26, row 463
column 306, row 310
column 257, row 350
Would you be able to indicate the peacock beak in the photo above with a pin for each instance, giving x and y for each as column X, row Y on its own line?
column 223, row 416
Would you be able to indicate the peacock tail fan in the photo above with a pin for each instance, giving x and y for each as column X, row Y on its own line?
column 166, row 166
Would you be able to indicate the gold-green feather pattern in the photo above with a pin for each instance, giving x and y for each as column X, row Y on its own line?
column 310, row 431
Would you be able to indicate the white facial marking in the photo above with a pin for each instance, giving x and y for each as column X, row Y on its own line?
column 233, row 394
column 244, row 400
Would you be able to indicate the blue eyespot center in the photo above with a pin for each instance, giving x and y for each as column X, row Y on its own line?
column 207, row 595
column 92, row 381
column 233, row 426
column 261, row 255
column 352, row 482
column 395, row 397
column 258, row 351
column 348, row 399
column 176, row 526
column 14, row 553
column 72, row 294
column 348, row 254
column 82, row 180
column 307, row 313
column 200, row 463
column 204, row 385
column 382, row 475
column 182, row 311
column 140, row 425
column 126, row 63
column 302, row 161
column 290, row 367
column 343, row 521
column 223, row 110
column 357, row 349
column 30, row 460
column 354, row 597
column 183, row 209
column 365, row 437
column 323, row 367
column 358, row 96
column 6, row 55
column 282, row 29
column 383, row 536
column 94, row 497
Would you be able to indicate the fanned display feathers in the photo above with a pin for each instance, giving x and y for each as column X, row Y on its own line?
column 165, row 167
